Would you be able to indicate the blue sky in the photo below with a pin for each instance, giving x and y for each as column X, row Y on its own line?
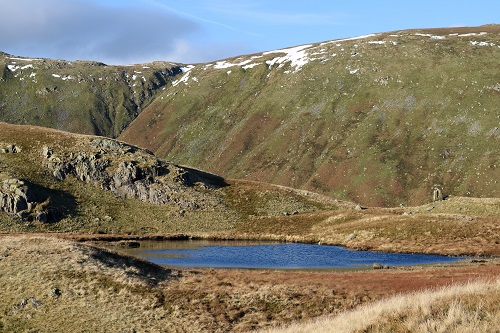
column 189, row 31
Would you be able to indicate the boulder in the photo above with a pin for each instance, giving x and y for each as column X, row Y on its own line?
column 46, row 152
column 11, row 149
column 18, row 199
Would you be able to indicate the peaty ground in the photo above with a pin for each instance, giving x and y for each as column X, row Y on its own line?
column 57, row 285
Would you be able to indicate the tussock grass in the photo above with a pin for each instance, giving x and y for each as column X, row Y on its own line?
column 470, row 308
column 54, row 285
column 97, row 290
column 457, row 226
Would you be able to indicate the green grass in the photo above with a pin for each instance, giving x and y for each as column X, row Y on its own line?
column 415, row 114
column 238, row 209
column 82, row 97
column 379, row 120
column 86, row 208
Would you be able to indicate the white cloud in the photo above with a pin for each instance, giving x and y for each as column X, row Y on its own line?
column 81, row 29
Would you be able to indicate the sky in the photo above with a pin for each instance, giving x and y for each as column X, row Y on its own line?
column 192, row 31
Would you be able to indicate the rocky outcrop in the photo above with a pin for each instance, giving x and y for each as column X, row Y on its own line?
column 127, row 171
column 11, row 149
column 17, row 198
column 14, row 195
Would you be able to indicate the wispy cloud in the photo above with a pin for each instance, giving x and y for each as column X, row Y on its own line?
column 263, row 13
column 81, row 29
column 202, row 18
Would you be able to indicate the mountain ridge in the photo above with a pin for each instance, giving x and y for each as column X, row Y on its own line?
column 378, row 119
column 375, row 119
column 86, row 97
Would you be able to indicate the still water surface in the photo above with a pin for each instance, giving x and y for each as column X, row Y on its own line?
column 231, row 254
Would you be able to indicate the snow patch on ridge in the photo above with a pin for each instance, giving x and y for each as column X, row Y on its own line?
column 475, row 43
column 13, row 68
column 226, row 64
column 251, row 65
column 297, row 56
column 185, row 78
column 337, row 41
column 470, row 34
column 23, row 59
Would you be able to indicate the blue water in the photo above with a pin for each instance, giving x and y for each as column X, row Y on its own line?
column 276, row 256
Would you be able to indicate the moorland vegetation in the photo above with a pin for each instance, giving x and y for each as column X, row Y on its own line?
column 386, row 142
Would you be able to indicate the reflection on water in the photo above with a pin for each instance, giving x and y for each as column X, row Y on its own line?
column 251, row 254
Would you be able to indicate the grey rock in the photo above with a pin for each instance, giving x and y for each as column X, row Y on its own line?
column 107, row 144
column 18, row 199
column 21, row 304
column 55, row 292
column 59, row 174
column 128, row 172
column 35, row 303
column 14, row 196
column 46, row 152
column 11, row 149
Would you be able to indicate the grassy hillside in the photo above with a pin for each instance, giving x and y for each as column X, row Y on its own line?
column 112, row 187
column 379, row 119
column 81, row 96
column 86, row 184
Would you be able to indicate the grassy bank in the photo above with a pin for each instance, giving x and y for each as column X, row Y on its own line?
column 55, row 285
column 456, row 309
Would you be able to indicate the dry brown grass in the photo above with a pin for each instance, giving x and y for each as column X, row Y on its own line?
column 246, row 209
column 459, row 308
column 457, row 226
column 101, row 291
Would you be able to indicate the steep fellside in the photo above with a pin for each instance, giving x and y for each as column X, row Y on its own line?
column 54, row 181
column 379, row 119
column 82, row 97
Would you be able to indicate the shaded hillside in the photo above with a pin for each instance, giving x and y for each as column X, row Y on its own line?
column 81, row 96
column 379, row 119
column 54, row 181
